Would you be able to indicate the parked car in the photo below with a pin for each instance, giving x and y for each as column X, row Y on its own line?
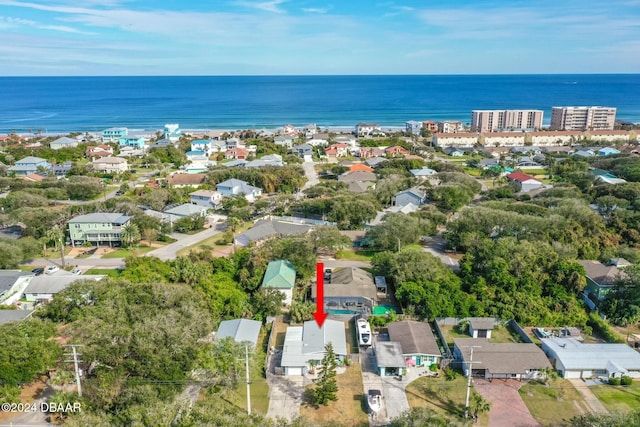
column 51, row 269
column 38, row 271
column 76, row 271
column 119, row 193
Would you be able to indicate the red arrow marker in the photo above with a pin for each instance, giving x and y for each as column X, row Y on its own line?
column 320, row 315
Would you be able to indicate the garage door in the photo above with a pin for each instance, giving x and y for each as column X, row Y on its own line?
column 294, row 371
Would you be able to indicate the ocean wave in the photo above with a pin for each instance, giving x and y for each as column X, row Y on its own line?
column 27, row 119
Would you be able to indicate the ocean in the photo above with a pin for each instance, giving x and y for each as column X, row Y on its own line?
column 65, row 104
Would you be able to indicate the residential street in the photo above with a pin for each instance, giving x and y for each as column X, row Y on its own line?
column 169, row 251
column 312, row 176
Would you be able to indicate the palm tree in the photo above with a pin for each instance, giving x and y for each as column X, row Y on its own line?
column 233, row 224
column 130, row 234
column 480, row 405
column 56, row 235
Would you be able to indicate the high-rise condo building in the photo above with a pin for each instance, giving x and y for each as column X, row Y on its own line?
column 496, row 120
column 583, row 118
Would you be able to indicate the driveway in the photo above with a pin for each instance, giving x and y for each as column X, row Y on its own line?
column 507, row 407
column 285, row 393
column 310, row 173
column 169, row 251
column 589, row 398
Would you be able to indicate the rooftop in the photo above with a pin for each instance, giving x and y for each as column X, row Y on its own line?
column 100, row 217
column 241, row 330
column 503, row 358
column 414, row 337
column 576, row 355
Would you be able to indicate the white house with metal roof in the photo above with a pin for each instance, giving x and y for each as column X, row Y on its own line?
column 12, row 283
column 241, row 330
column 304, row 345
column 43, row 288
column 575, row 359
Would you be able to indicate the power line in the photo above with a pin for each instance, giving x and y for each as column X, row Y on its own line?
column 75, row 361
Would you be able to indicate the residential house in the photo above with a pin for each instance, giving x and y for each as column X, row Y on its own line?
column 554, row 138
column 349, row 177
column 243, row 331
column 102, row 150
column 284, row 140
column 351, row 289
column 389, row 359
column 423, row 173
column 318, row 140
column 34, row 177
column 203, row 145
column 600, row 278
column 186, row 210
column 237, row 153
column 281, row 275
column 419, row 345
column 268, row 160
column 12, row 285
column 110, row 165
column 348, row 139
column 114, row 134
column 9, row 316
column 236, row 187
column 453, row 152
column 524, row 182
column 574, row 359
column 44, row 288
column 61, row 169
column 289, row 130
column 396, row 151
column 430, row 126
column 367, row 129
column 303, row 150
column 520, row 361
column 374, row 162
column 179, row 180
column 196, row 156
column 132, row 141
column 360, row 186
column 584, row 153
column 64, row 142
column 29, row 165
column 414, row 195
column 458, row 139
column 172, row 132
column 413, row 127
column 232, row 143
column 369, row 152
column 608, row 135
column 304, row 346
column 450, row 126
column 207, row 198
column 98, row 228
column 608, row 151
column 235, row 163
column 336, row 150
column 360, row 167
column 481, row 327
column 264, row 229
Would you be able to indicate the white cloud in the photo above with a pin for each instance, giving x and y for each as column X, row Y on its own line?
column 268, row 6
column 314, row 10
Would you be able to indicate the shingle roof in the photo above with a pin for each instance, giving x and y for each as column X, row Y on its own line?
column 349, row 282
column 414, row 337
column 186, row 178
column 478, row 323
column 280, row 275
column 503, row 358
column 604, row 275
column 519, row 176
column 264, row 228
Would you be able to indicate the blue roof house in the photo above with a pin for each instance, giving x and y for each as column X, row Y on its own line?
column 608, row 151
column 133, row 141
column 412, row 195
column 28, row 165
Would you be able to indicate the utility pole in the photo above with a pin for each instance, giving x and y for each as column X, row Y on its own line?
column 75, row 361
column 469, row 372
column 246, row 364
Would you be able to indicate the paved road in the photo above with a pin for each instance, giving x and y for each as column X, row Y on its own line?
column 435, row 245
column 83, row 264
column 32, row 418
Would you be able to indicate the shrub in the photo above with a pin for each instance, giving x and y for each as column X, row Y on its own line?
column 433, row 367
column 614, row 381
column 450, row 374
column 626, row 380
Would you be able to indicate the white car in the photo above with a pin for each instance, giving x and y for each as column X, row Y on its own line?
column 76, row 271
column 51, row 269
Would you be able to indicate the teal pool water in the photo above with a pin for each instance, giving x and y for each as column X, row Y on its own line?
column 342, row 312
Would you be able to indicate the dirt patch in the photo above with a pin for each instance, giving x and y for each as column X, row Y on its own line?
column 29, row 393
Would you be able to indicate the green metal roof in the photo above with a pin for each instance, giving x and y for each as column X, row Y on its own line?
column 280, row 274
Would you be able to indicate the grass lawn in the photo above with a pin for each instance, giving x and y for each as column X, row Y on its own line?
column 280, row 331
column 553, row 405
column 123, row 253
column 351, row 255
column 114, row 273
column 502, row 334
column 534, row 172
column 259, row 395
column 618, row 398
column 451, row 332
column 472, row 171
column 441, row 396
column 349, row 409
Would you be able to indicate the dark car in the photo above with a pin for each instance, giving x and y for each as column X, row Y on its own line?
column 327, row 275
column 119, row 193
column 37, row 271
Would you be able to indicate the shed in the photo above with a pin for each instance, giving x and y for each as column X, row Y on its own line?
column 481, row 327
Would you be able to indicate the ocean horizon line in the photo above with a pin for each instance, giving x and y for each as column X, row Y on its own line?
column 319, row 75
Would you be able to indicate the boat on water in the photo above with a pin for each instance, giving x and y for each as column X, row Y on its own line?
column 374, row 401
column 364, row 332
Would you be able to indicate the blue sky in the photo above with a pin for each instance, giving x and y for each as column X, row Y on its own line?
column 253, row 37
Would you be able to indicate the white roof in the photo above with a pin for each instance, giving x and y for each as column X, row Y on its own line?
column 52, row 284
column 305, row 343
column 240, row 330
column 575, row 355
